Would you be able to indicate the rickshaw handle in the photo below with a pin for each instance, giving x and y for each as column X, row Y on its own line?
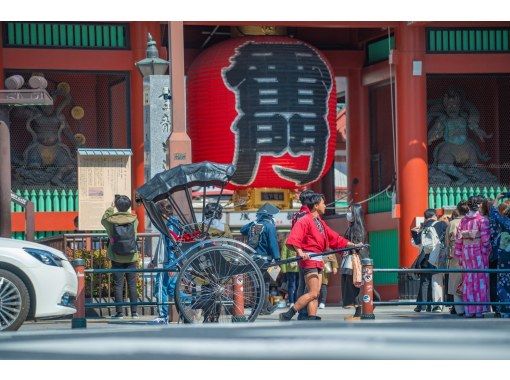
column 297, row 258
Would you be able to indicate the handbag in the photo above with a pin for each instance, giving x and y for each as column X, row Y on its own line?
column 458, row 291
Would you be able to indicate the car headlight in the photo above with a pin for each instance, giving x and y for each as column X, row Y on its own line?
column 44, row 257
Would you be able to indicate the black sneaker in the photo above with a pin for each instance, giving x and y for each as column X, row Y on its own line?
column 302, row 317
column 287, row 316
column 417, row 309
column 118, row 316
column 271, row 309
column 437, row 309
column 429, row 309
column 314, row 318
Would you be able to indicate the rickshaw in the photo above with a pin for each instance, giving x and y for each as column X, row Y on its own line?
column 219, row 279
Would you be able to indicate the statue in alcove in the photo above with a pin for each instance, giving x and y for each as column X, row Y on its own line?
column 457, row 158
column 47, row 160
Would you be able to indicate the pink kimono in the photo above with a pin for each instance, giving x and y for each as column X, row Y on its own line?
column 472, row 247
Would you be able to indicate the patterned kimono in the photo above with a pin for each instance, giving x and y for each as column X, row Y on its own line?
column 500, row 228
column 472, row 247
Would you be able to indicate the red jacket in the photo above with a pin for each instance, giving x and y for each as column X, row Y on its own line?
column 306, row 235
column 304, row 210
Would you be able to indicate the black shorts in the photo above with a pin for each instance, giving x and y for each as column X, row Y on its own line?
column 307, row 271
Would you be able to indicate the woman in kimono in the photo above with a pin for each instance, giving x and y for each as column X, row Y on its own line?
column 472, row 247
column 311, row 235
column 455, row 279
column 500, row 227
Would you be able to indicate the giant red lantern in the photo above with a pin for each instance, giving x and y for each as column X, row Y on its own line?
column 266, row 104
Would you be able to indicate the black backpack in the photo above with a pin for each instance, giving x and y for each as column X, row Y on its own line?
column 123, row 240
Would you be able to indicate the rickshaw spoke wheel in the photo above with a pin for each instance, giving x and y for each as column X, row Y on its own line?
column 205, row 291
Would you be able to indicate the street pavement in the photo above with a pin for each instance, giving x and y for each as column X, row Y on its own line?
column 396, row 333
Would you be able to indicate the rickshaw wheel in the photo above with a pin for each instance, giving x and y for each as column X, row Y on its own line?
column 205, row 290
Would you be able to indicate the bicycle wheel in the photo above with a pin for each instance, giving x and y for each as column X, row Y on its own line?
column 219, row 284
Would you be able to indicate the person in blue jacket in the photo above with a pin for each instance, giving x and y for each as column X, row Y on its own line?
column 262, row 234
column 263, row 238
column 165, row 282
column 500, row 228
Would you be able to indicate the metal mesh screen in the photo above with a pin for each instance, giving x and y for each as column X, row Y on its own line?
column 382, row 165
column 90, row 110
column 468, row 129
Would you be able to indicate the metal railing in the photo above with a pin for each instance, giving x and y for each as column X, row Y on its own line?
column 368, row 302
column 99, row 287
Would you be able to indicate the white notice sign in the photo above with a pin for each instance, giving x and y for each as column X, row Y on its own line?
column 102, row 173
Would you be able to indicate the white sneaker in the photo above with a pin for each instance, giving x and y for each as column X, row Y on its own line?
column 322, row 306
column 159, row 321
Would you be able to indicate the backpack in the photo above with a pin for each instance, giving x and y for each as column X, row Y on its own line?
column 123, row 240
column 254, row 233
column 429, row 239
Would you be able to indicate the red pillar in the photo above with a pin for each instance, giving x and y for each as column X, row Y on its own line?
column 358, row 138
column 412, row 164
column 138, row 33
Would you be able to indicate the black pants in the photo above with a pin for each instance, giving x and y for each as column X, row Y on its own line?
column 349, row 291
column 425, row 281
column 118, row 279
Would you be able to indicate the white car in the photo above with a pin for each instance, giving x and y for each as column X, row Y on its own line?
column 36, row 281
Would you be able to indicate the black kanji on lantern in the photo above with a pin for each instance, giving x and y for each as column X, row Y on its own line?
column 282, row 94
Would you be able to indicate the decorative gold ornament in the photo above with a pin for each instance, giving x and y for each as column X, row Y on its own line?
column 77, row 113
column 253, row 198
column 80, row 139
column 63, row 88
column 255, row 30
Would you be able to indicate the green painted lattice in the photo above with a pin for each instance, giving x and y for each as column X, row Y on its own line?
column 439, row 197
column 46, row 200
column 66, row 35
column 468, row 40
column 380, row 203
column 451, row 196
column 379, row 50
column 384, row 252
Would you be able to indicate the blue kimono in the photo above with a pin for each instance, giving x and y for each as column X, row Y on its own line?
column 500, row 234
column 262, row 236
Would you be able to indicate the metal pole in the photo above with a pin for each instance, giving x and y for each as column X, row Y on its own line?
column 29, row 221
column 367, row 307
column 5, row 181
column 79, row 320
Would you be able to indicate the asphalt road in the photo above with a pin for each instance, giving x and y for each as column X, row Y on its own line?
column 397, row 333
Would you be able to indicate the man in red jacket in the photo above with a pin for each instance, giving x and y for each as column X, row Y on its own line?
column 311, row 235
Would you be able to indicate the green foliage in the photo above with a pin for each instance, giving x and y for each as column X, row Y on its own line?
column 99, row 285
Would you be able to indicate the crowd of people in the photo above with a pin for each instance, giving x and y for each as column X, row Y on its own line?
column 306, row 279
column 476, row 236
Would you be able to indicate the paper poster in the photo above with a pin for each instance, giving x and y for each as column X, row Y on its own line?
column 100, row 178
